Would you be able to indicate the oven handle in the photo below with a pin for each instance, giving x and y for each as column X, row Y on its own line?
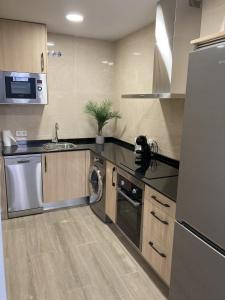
column 132, row 202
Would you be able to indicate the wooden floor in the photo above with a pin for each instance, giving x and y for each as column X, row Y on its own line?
column 70, row 254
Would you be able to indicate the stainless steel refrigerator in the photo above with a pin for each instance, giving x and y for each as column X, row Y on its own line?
column 198, row 267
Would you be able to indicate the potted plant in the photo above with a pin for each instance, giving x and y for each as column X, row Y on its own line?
column 102, row 112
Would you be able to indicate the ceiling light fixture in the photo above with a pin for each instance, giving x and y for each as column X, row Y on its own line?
column 75, row 18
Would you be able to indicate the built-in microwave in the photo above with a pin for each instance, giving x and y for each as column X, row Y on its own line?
column 23, row 88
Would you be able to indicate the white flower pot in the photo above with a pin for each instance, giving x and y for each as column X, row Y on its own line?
column 100, row 139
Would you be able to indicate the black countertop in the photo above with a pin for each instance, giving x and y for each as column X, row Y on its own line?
column 160, row 175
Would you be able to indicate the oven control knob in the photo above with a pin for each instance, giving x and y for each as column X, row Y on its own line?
column 134, row 191
column 39, row 88
column 122, row 182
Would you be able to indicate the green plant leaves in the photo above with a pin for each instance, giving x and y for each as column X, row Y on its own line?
column 102, row 112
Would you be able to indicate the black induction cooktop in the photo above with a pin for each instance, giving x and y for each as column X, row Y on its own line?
column 151, row 169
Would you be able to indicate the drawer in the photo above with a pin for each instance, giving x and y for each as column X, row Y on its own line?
column 161, row 201
column 158, row 259
column 157, row 241
column 158, row 226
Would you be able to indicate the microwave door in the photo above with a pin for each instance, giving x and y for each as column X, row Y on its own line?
column 21, row 88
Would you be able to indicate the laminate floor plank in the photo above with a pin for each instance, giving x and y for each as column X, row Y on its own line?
column 141, row 287
column 72, row 231
column 70, row 254
column 104, row 276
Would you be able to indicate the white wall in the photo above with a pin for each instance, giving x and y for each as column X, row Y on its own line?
column 213, row 17
column 73, row 79
column 158, row 119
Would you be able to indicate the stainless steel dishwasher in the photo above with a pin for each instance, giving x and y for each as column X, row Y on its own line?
column 23, row 184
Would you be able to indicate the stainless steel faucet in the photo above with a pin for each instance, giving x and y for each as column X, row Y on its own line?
column 56, row 138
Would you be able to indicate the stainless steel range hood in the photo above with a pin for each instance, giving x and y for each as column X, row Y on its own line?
column 177, row 23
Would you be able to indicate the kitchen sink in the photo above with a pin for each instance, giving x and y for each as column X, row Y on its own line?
column 59, row 146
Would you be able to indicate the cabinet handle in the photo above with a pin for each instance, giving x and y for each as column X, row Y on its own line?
column 131, row 201
column 45, row 164
column 113, row 172
column 23, row 161
column 156, row 250
column 160, row 220
column 42, row 62
column 157, row 200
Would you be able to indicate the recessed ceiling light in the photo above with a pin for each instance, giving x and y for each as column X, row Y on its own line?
column 75, row 18
column 51, row 44
column 111, row 63
column 105, row 62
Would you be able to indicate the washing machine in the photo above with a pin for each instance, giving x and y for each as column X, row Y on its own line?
column 97, row 186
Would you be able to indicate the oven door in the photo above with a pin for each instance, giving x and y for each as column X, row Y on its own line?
column 129, row 216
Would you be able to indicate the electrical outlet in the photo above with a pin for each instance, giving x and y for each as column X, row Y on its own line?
column 21, row 133
column 150, row 141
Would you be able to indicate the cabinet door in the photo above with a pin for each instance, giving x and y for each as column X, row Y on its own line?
column 23, row 46
column 111, row 203
column 157, row 243
column 64, row 176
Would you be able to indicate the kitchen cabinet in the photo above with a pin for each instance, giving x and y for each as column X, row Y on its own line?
column 110, row 202
column 23, row 46
column 158, row 232
column 165, row 204
column 65, row 175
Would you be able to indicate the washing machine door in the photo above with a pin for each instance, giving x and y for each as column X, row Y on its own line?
column 95, row 184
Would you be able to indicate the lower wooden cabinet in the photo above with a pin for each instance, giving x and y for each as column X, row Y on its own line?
column 157, row 239
column 65, row 175
column 111, row 203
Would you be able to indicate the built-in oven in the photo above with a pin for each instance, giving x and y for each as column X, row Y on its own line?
column 23, row 88
column 130, row 207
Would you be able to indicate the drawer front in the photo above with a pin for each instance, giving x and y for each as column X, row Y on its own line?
column 158, row 259
column 158, row 225
column 161, row 201
column 158, row 231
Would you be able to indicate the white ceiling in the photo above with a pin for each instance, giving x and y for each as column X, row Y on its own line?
column 104, row 19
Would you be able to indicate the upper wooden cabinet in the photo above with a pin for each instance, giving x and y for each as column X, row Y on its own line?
column 23, row 46
column 65, row 175
column 110, row 202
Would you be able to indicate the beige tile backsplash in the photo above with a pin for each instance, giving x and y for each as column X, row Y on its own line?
column 158, row 119
column 73, row 79
column 79, row 75
column 213, row 17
